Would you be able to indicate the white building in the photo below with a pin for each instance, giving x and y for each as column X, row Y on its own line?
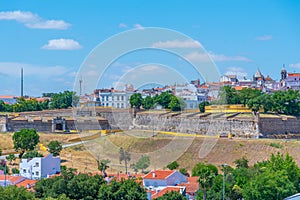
column 115, row 99
column 39, row 167
column 293, row 81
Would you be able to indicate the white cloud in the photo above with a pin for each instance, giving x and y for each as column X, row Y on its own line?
column 62, row 44
column 264, row 37
column 31, row 20
column 177, row 44
column 238, row 71
column 123, row 25
column 138, row 26
column 206, row 57
column 296, row 65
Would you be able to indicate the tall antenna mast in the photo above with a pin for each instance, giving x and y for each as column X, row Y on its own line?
column 22, row 82
column 80, row 85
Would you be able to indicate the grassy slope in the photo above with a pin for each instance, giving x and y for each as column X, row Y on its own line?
column 223, row 151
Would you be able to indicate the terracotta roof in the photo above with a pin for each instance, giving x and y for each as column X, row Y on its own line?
column 294, row 74
column 237, row 88
column 192, row 186
column 166, row 190
column 7, row 97
column 26, row 182
column 159, row 174
column 12, row 179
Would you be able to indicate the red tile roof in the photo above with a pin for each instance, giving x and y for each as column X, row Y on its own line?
column 192, row 185
column 12, row 179
column 7, row 97
column 166, row 190
column 294, row 74
column 26, row 182
column 159, row 174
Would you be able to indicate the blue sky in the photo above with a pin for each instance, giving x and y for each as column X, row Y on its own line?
column 50, row 39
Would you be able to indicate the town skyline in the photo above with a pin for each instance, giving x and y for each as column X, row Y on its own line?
column 239, row 37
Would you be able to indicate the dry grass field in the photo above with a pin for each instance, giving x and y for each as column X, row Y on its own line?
column 222, row 150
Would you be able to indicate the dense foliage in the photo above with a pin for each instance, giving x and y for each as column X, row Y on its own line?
column 58, row 100
column 274, row 179
column 281, row 102
column 24, row 140
column 87, row 186
column 166, row 99
column 54, row 147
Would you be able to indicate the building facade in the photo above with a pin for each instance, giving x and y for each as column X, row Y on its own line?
column 39, row 167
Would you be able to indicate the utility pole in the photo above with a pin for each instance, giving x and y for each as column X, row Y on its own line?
column 224, row 177
column 80, row 86
column 22, row 82
column 5, row 174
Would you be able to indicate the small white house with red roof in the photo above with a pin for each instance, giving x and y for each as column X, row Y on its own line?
column 163, row 178
column 40, row 167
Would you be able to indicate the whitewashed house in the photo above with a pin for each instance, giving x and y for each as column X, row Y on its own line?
column 159, row 179
column 39, row 167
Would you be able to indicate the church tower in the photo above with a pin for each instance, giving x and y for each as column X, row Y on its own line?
column 283, row 73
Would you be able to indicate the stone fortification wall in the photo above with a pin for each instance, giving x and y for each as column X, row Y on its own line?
column 208, row 126
column 281, row 125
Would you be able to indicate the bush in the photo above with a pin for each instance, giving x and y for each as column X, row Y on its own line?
column 173, row 165
column 276, row 145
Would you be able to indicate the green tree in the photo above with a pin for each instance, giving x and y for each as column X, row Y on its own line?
column 173, row 165
column 148, row 103
column 54, row 147
column 246, row 94
column 64, row 99
column 103, row 166
column 241, row 163
column 269, row 186
column 202, row 106
column 124, row 156
column 136, row 100
column 24, row 140
column 32, row 154
column 124, row 189
column 228, row 95
column 176, row 104
column 164, row 99
column 15, row 193
column 172, row 196
column 143, row 163
column 206, row 173
column 10, row 158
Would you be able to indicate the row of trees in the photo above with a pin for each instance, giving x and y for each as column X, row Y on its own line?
column 274, row 179
column 58, row 101
column 281, row 102
column 166, row 99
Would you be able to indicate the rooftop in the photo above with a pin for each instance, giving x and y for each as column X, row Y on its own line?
column 159, row 174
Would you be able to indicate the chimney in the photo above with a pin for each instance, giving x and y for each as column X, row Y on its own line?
column 153, row 175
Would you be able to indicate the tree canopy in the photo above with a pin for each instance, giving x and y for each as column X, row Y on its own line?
column 54, row 147
column 24, row 140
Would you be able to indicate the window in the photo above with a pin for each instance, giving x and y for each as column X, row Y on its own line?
column 24, row 170
column 37, row 164
column 37, row 173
